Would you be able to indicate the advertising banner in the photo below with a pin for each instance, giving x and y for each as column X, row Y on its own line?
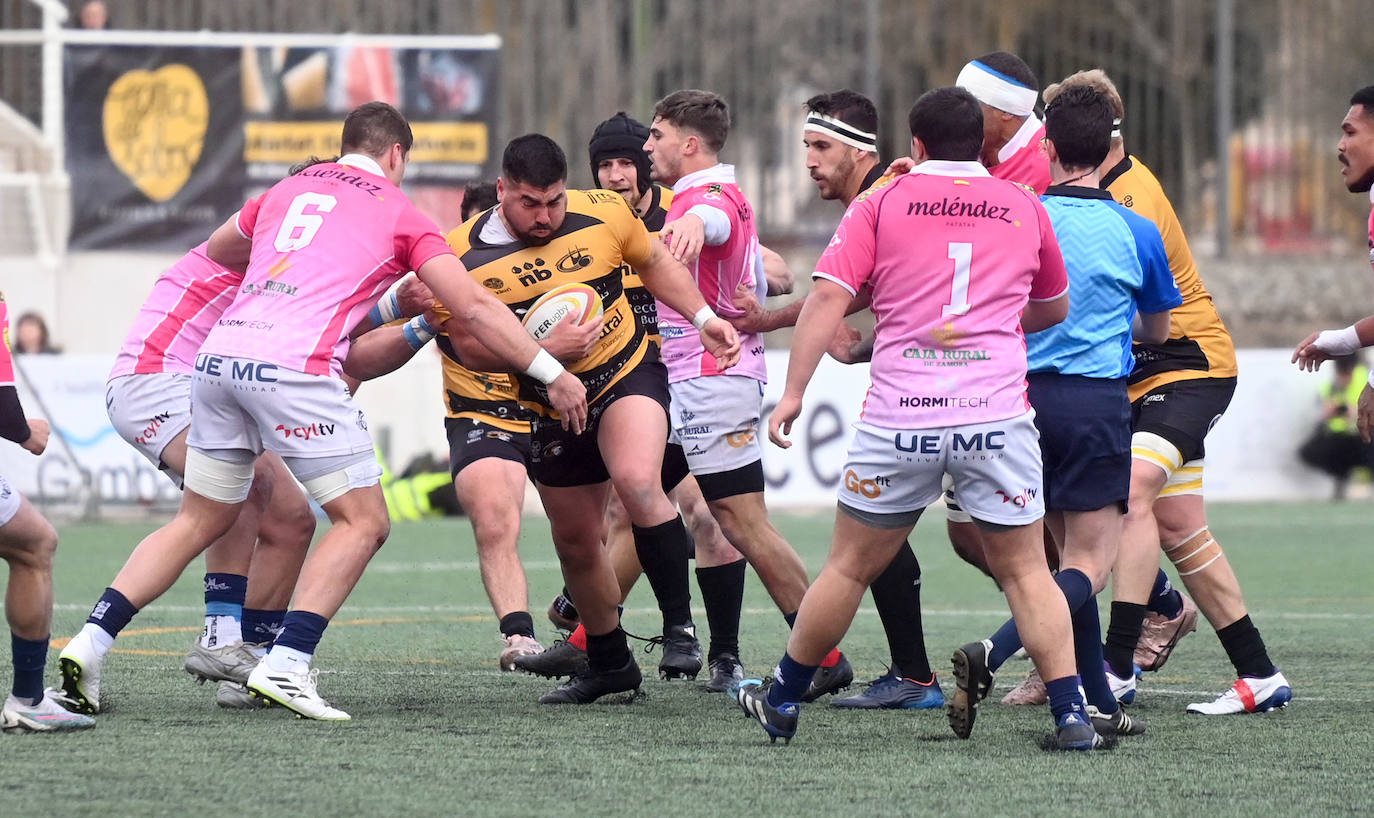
column 164, row 142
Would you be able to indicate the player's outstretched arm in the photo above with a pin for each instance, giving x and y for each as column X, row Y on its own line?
column 822, row 315
column 407, row 299
column 1333, row 343
column 779, row 276
column 481, row 315
column 383, row 350
column 758, row 319
column 670, row 283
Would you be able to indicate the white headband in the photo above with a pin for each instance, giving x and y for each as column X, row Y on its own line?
column 994, row 88
column 1116, row 128
column 841, row 131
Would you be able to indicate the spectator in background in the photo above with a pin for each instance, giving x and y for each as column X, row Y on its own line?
column 31, row 336
column 477, row 197
column 94, row 14
column 1335, row 446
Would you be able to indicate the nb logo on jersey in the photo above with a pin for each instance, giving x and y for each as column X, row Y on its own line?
column 494, row 283
column 575, row 259
column 530, row 274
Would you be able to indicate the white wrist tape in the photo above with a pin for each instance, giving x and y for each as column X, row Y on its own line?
column 1338, row 341
column 703, row 315
column 417, row 332
column 1371, row 379
column 544, row 368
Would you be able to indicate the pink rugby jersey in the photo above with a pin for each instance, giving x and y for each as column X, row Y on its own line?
column 1021, row 159
column 718, row 271
column 172, row 324
column 6, row 362
column 951, row 255
column 1371, row 228
column 327, row 243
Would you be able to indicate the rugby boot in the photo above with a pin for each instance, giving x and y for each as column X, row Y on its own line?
column 48, row 716
column 892, row 691
column 831, row 679
column 779, row 722
column 972, row 681
column 1159, row 636
column 1249, row 694
column 726, row 673
column 590, row 686
column 560, row 659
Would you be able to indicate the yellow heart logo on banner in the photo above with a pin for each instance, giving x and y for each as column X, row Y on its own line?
column 155, row 123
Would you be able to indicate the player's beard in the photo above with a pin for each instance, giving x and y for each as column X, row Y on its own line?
column 1362, row 184
column 836, row 182
column 531, row 239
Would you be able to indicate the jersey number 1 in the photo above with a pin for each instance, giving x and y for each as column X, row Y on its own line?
column 298, row 228
column 961, row 253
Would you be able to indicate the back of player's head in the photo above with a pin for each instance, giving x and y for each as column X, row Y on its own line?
column 1079, row 122
column 535, row 160
column 949, row 123
column 702, row 112
column 478, row 196
column 310, row 163
column 373, row 127
column 849, row 107
column 1097, row 80
column 1364, row 98
column 621, row 137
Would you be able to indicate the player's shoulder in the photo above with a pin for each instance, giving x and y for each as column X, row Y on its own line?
column 665, row 196
column 460, row 238
column 604, row 205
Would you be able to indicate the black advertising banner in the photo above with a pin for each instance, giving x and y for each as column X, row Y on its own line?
column 164, row 143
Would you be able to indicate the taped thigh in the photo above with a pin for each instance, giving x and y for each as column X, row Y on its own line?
column 222, row 475
column 1154, row 449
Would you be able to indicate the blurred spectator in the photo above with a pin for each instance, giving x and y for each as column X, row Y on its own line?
column 31, row 336
column 478, row 196
column 1335, row 446
column 94, row 14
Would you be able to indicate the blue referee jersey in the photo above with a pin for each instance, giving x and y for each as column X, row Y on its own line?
column 1117, row 265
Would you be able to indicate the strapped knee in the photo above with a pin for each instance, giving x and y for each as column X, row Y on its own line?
column 1194, row 553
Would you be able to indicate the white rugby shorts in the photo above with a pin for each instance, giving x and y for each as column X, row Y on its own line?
column 148, row 411
column 715, row 418
column 239, row 403
column 995, row 467
column 9, row 500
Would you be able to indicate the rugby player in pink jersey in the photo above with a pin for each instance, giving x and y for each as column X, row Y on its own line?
column 28, row 544
column 148, row 399
column 961, row 266
column 1007, row 89
column 318, row 249
column 715, row 413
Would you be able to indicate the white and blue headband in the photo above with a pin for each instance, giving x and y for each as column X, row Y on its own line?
column 992, row 87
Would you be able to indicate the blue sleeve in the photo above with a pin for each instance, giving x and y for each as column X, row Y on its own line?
column 1158, row 290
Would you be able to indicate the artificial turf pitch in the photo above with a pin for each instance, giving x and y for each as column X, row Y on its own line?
column 438, row 730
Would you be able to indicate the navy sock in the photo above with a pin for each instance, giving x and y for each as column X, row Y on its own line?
column 112, row 612
column 1077, row 590
column 1165, row 600
column 1123, row 631
column 790, row 681
column 301, row 630
column 29, row 656
column 722, row 592
column 1064, row 697
column 224, row 595
column 1087, row 655
column 609, row 651
column 897, row 595
column 663, row 551
column 519, row 623
column 790, row 619
column 1245, row 648
column 261, row 626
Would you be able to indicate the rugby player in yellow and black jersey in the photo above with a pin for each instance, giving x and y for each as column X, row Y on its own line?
column 1178, row 390
column 542, row 235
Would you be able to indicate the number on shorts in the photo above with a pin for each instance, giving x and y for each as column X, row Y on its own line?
column 961, row 253
column 299, row 227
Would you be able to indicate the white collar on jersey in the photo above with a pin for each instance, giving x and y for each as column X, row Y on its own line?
column 951, row 167
column 362, row 162
column 1020, row 139
column 717, row 173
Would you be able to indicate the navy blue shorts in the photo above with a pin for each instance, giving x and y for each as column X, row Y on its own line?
column 1085, row 440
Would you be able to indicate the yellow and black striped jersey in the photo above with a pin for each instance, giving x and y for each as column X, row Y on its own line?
column 599, row 234
column 642, row 302
column 1199, row 344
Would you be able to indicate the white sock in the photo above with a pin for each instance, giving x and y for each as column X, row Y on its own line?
column 99, row 638
column 290, row 660
column 220, row 631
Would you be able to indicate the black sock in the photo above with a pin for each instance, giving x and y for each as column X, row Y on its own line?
column 897, row 595
column 1245, row 648
column 519, row 623
column 663, row 551
column 722, row 592
column 609, row 651
column 1123, row 631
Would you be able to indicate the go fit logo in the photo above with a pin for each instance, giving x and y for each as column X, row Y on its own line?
column 868, row 487
column 305, row 432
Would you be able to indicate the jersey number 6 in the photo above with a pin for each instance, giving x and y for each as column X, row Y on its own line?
column 298, row 228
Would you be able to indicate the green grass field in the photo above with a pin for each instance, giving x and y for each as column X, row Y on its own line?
column 438, row 730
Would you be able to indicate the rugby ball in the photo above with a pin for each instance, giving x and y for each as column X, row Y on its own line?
column 578, row 301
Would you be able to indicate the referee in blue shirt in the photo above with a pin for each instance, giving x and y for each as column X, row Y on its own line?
column 1119, row 287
